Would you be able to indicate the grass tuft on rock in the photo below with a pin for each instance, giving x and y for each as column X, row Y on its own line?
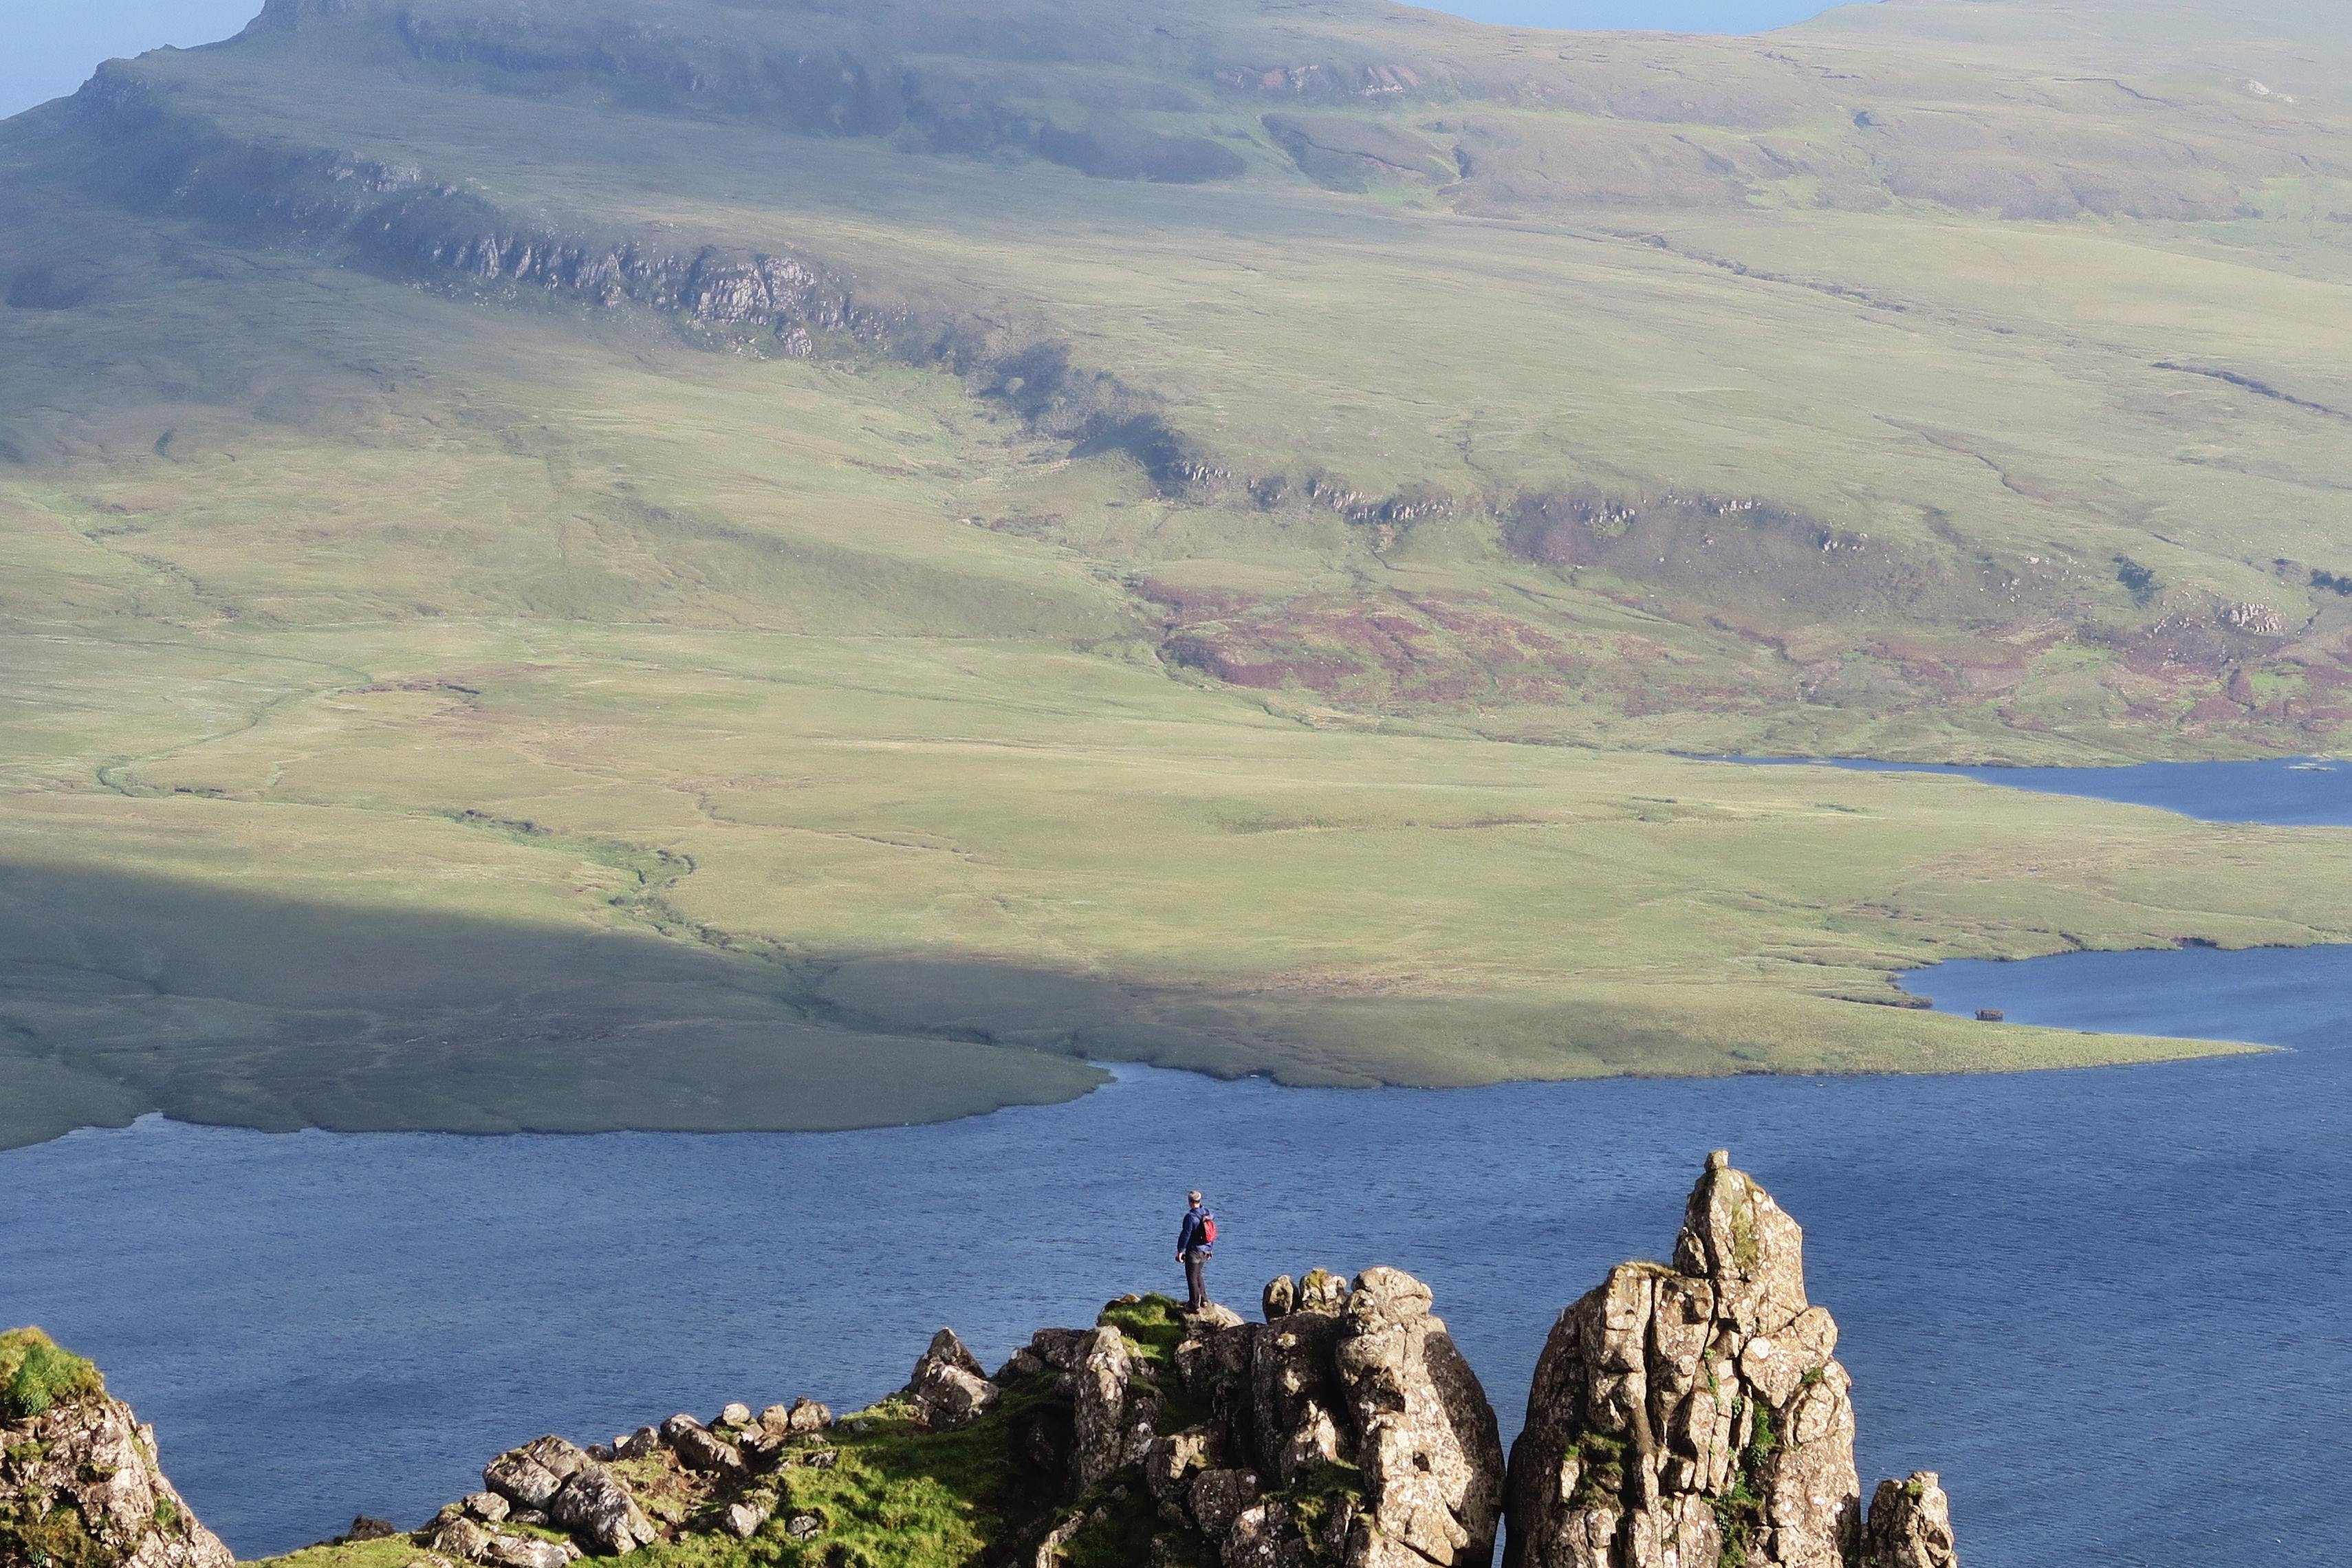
column 1153, row 1324
column 34, row 1374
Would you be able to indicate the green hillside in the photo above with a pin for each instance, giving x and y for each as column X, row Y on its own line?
column 690, row 564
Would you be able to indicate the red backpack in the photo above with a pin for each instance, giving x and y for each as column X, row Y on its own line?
column 1208, row 1230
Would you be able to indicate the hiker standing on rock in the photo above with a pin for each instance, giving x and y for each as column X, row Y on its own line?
column 1195, row 1240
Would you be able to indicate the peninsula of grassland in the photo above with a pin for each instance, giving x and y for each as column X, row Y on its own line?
column 695, row 565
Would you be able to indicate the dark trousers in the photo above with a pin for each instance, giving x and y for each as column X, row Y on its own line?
column 1196, row 1278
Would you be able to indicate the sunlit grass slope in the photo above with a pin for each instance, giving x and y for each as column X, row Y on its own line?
column 1907, row 394
column 1122, row 624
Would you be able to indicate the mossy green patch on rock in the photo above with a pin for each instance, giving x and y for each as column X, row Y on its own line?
column 34, row 1374
column 1153, row 1324
column 55, row 1538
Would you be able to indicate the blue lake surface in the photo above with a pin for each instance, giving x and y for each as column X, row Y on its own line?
column 2291, row 792
column 2108, row 1306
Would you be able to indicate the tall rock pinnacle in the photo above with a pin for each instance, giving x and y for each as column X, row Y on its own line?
column 1697, row 1416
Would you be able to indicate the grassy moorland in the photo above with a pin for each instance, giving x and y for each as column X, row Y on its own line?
column 1142, row 617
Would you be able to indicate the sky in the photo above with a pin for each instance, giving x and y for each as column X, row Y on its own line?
column 47, row 47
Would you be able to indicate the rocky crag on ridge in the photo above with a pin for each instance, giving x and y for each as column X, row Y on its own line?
column 1692, row 1416
column 80, row 1482
column 1682, row 1416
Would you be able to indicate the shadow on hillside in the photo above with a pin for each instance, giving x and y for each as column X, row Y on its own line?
column 122, row 994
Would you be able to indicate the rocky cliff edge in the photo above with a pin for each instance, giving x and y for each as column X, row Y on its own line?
column 80, row 1486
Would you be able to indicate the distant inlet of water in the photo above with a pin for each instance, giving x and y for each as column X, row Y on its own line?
column 2108, row 1306
column 2287, row 791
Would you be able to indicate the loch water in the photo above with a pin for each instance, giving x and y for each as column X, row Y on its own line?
column 2285, row 792
column 2109, row 1306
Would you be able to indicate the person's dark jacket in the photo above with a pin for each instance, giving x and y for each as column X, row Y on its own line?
column 1188, row 1235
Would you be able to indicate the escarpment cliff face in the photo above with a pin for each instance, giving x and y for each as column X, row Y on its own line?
column 1697, row 1416
column 1682, row 1416
column 80, row 1485
column 402, row 220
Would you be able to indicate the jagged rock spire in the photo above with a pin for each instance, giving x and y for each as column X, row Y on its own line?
column 1693, row 1416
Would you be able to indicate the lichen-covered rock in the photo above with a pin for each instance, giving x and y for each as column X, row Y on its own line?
column 701, row 1448
column 1293, row 1385
column 1218, row 1499
column 1345, row 1430
column 1061, row 1349
column 595, row 1505
column 1320, row 1290
column 458, row 1536
column 1687, row 1416
column 503, row 1549
column 1910, row 1525
column 528, row 1476
column 1738, row 1239
column 1170, row 1465
column 744, row 1518
column 1426, row 1437
column 1265, row 1535
column 948, row 1388
column 1098, row 1400
column 79, row 1481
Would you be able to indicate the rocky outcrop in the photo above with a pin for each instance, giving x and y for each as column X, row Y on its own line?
column 1425, row 1435
column 1910, row 1525
column 598, row 1508
column 1696, row 1415
column 551, row 1502
column 79, row 1481
column 400, row 221
column 948, row 1388
column 1114, row 1411
column 1346, row 1429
